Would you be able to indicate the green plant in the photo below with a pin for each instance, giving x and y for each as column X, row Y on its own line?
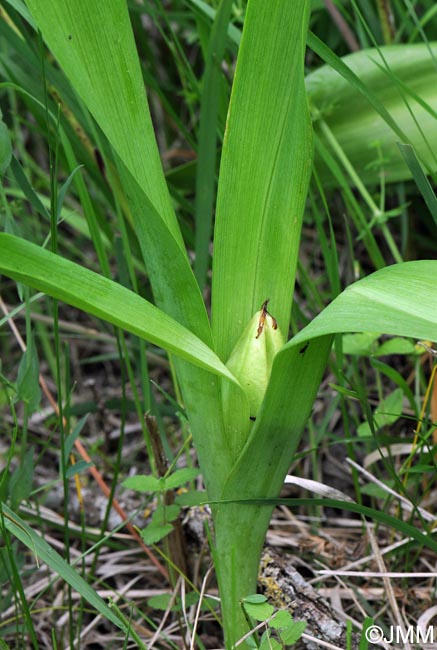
column 164, row 514
column 277, row 623
column 263, row 183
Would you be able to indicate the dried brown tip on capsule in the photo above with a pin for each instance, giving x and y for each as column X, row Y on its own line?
column 262, row 318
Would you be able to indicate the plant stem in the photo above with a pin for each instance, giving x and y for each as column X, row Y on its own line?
column 239, row 536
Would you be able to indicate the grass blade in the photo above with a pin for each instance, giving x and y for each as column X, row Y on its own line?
column 338, row 65
column 420, row 178
column 47, row 554
column 409, row 531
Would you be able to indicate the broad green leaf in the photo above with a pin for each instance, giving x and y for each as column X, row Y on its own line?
column 264, row 172
column 400, row 299
column 389, row 94
column 97, row 52
column 116, row 304
column 37, row 545
column 102, row 297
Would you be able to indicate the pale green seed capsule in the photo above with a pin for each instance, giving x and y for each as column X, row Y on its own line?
column 251, row 360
